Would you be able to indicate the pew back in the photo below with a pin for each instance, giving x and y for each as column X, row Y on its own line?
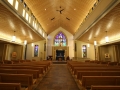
column 103, row 87
column 97, row 73
column 24, row 67
column 87, row 81
column 10, row 86
column 76, row 69
column 25, row 79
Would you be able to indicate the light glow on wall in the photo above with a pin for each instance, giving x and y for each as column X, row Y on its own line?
column 11, row 2
column 23, row 31
column 33, row 23
column 97, row 32
column 26, row 16
column 29, row 19
column 16, row 5
column 23, row 14
column 11, row 24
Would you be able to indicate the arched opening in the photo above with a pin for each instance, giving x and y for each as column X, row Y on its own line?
column 60, row 39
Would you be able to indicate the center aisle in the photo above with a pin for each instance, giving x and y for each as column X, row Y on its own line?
column 58, row 78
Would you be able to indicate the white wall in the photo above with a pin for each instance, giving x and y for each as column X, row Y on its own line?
column 69, row 37
column 30, row 51
column 90, row 50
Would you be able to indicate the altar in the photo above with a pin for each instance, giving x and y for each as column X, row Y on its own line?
column 60, row 58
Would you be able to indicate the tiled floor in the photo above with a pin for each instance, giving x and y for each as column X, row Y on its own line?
column 58, row 78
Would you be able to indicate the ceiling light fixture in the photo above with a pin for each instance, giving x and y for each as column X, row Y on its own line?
column 106, row 38
column 74, row 8
column 13, row 37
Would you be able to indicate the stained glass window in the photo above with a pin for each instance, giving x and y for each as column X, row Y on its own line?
column 60, row 40
column 36, row 51
column 84, row 51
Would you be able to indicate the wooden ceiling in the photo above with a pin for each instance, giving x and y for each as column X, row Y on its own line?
column 72, row 13
column 110, row 23
column 10, row 23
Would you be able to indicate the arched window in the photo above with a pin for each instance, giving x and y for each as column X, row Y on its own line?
column 60, row 39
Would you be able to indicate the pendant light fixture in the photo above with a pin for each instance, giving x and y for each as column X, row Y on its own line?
column 106, row 38
column 25, row 41
column 13, row 37
column 95, row 42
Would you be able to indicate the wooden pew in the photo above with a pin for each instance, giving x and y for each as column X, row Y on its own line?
column 1, row 62
column 77, row 69
column 87, row 60
column 10, row 86
column 21, row 65
column 24, row 67
column 97, row 73
column 112, row 63
column 86, row 65
column 39, row 63
column 35, row 73
column 87, row 81
column 15, row 61
column 26, row 80
column 81, row 64
column 103, row 87
column 8, row 62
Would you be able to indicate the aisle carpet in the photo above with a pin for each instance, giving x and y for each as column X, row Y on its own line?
column 58, row 78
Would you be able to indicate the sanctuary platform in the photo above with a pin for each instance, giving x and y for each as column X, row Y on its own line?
column 59, row 62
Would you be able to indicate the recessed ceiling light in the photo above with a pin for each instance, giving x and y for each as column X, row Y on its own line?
column 74, row 8
column 45, row 9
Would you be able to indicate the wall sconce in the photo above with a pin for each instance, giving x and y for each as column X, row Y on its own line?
column 106, row 38
column 32, row 44
column 25, row 42
column 88, row 45
column 13, row 37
